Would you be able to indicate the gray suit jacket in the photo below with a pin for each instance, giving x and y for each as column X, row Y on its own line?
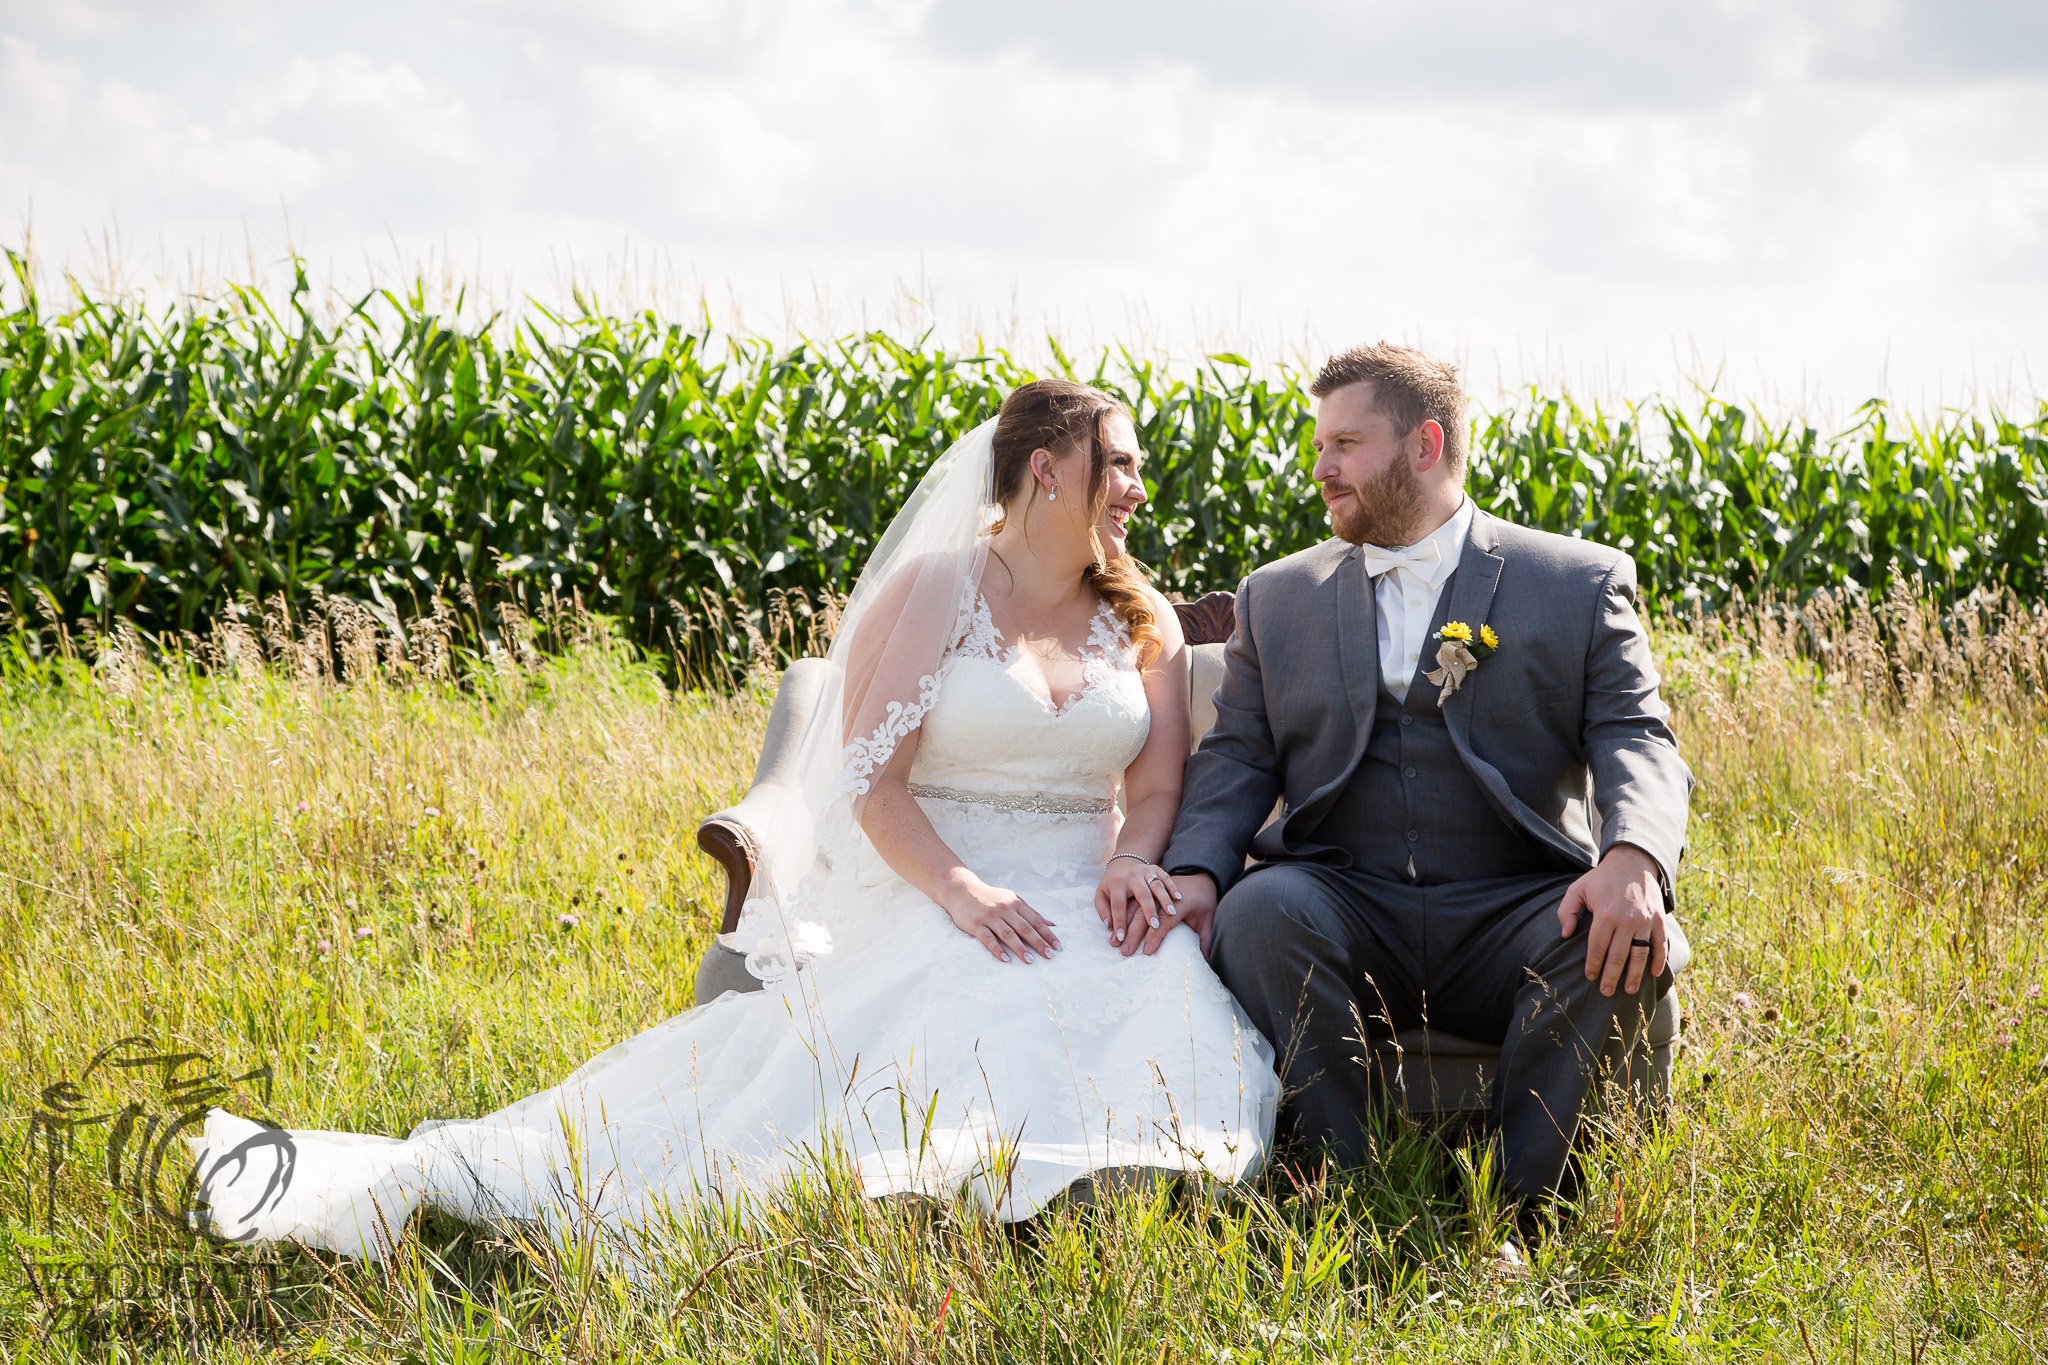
column 1562, row 728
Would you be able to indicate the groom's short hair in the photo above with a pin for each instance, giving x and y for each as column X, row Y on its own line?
column 1408, row 388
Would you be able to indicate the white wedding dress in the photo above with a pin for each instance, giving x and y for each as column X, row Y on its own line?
column 906, row 1050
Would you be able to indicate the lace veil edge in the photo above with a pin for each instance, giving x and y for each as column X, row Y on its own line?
column 885, row 666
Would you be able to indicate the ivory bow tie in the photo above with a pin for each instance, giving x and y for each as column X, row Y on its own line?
column 1425, row 561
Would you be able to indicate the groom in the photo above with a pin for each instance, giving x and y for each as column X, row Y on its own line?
column 1486, row 849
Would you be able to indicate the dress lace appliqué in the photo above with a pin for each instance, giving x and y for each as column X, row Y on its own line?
column 978, row 638
column 1107, row 649
column 861, row 758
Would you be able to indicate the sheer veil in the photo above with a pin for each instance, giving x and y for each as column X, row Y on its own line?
column 878, row 679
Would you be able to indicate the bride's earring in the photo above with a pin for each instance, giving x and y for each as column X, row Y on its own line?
column 1052, row 495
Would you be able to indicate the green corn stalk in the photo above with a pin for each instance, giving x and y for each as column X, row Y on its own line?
column 168, row 468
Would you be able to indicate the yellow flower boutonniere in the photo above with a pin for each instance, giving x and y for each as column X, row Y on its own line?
column 1458, row 653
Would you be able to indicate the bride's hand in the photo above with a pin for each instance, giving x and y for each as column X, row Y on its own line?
column 1000, row 921
column 1131, row 895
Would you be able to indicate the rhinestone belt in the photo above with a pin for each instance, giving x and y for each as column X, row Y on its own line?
column 1038, row 803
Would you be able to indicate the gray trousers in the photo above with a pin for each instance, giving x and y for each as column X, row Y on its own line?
column 1311, row 951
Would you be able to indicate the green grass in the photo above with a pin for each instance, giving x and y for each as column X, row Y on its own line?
column 360, row 885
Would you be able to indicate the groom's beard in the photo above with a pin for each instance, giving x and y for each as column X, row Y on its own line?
column 1383, row 511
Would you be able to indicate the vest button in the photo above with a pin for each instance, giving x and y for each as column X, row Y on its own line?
column 1408, row 772
column 1413, row 836
column 1407, row 720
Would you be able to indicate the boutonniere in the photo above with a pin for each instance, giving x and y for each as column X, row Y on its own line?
column 1457, row 654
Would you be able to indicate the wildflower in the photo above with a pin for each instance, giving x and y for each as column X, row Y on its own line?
column 575, row 898
column 2034, row 991
column 323, row 947
column 432, row 812
column 302, row 808
column 1457, row 654
column 1743, row 1001
column 2002, row 1041
column 567, row 920
column 1852, row 988
column 365, row 932
column 1488, row 638
column 1771, row 1015
column 471, row 852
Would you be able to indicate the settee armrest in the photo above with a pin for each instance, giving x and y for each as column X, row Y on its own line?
column 732, row 846
column 733, row 836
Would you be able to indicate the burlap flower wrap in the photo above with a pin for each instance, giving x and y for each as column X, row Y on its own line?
column 1457, row 654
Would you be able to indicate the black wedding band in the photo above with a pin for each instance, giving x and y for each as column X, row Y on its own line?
column 1639, row 943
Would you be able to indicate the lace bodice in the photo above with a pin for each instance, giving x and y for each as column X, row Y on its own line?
column 989, row 731
column 1019, row 788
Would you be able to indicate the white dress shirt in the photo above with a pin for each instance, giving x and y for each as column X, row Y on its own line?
column 1407, row 585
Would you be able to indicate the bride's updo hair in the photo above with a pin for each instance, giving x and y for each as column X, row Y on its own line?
column 1057, row 415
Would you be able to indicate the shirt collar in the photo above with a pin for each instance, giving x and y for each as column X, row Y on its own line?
column 1449, row 540
column 1450, row 537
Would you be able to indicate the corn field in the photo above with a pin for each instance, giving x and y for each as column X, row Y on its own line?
column 163, row 469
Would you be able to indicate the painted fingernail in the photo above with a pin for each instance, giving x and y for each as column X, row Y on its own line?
column 1155, row 921
column 1177, row 896
column 1119, row 936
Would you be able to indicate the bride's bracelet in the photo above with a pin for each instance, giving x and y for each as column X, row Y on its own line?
column 1139, row 856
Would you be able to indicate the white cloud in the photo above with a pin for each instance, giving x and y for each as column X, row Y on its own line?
column 1821, row 192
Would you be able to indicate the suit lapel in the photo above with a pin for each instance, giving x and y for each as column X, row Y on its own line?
column 1420, row 688
column 1358, row 641
column 1471, row 594
column 1358, row 662
column 1471, row 598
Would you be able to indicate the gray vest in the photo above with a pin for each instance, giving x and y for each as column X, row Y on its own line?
column 1412, row 796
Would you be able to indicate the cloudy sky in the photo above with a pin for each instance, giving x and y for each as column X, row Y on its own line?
column 1816, row 199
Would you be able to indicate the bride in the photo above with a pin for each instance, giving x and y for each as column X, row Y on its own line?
column 933, row 1012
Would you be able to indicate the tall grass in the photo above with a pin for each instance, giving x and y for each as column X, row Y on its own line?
column 167, row 468
column 361, row 881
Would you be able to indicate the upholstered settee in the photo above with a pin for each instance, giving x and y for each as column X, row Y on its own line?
column 1440, row 1076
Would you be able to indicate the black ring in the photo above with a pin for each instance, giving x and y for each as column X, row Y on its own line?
column 1639, row 943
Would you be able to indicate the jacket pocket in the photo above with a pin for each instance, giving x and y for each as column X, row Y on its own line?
column 1542, row 697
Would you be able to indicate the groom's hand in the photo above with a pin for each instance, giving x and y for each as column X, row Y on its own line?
column 1197, row 910
column 1626, row 901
